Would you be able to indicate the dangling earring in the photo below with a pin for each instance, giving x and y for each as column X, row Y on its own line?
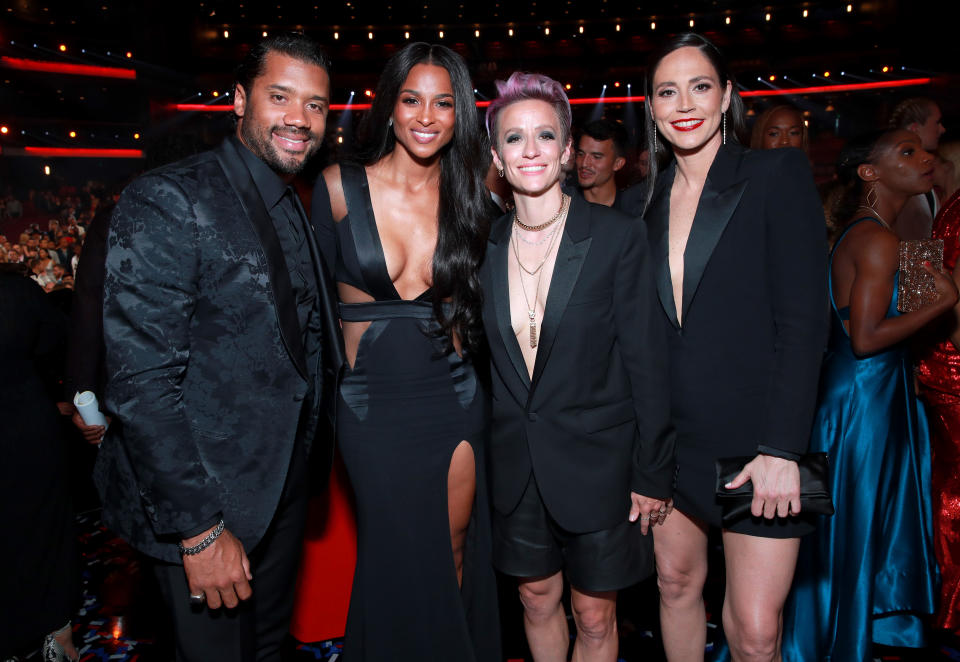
column 390, row 122
column 872, row 198
column 724, row 128
column 500, row 171
column 656, row 147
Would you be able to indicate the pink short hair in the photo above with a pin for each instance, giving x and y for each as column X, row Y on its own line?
column 522, row 86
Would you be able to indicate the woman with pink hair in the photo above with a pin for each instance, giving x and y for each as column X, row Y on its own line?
column 581, row 453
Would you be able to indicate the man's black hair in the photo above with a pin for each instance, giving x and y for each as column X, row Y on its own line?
column 604, row 129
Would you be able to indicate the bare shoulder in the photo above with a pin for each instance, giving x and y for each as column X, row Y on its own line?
column 338, row 202
column 873, row 246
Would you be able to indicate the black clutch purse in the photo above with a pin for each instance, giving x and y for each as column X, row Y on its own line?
column 814, row 487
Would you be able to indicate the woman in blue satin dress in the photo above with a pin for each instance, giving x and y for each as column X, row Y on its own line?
column 869, row 574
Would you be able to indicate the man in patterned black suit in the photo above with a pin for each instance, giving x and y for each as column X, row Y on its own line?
column 222, row 347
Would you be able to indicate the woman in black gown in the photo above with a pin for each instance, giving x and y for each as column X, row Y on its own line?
column 40, row 581
column 406, row 235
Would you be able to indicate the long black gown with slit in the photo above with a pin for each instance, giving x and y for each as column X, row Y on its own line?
column 403, row 409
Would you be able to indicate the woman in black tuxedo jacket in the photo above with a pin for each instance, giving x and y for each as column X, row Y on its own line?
column 738, row 246
column 580, row 442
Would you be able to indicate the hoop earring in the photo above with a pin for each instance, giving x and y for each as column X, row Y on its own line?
column 724, row 128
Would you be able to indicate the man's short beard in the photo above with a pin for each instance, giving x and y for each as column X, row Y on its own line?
column 267, row 152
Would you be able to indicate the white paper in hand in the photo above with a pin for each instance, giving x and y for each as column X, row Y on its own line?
column 86, row 403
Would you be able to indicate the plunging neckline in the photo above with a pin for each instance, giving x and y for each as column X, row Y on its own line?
column 375, row 234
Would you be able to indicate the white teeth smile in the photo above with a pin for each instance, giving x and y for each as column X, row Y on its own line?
column 423, row 134
column 686, row 123
column 532, row 168
column 291, row 140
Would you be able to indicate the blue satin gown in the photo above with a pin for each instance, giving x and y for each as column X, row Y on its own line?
column 869, row 572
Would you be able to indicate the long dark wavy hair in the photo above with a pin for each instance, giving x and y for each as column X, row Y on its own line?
column 659, row 149
column 464, row 213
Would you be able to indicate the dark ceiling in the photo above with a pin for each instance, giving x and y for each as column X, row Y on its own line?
column 185, row 51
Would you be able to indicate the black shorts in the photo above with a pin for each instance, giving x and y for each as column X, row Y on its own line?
column 528, row 542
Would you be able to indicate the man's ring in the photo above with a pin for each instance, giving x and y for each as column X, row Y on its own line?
column 198, row 599
column 644, row 518
column 663, row 511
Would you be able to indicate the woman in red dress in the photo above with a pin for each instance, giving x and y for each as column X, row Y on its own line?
column 938, row 375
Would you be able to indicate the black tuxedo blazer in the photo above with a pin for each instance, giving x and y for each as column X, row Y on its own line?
column 593, row 423
column 207, row 371
column 745, row 362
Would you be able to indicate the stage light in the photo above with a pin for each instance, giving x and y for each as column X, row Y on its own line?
column 849, row 8
column 653, row 25
column 264, row 34
column 885, row 69
column 46, row 170
column 510, row 32
column 806, row 13
column 340, row 140
column 618, row 27
column 441, row 34
column 767, row 17
column 546, row 31
column 336, row 35
column 136, row 136
column 773, row 78
column 73, row 134
column 130, row 55
column 616, row 84
column 826, row 74
column 226, row 34
column 406, row 35
column 370, row 36
column 727, row 20
column 691, row 22
column 567, row 86
column 368, row 93
column 63, row 48
column 581, row 29
column 476, row 33
column 5, row 130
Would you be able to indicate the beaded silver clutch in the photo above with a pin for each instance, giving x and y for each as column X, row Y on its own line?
column 917, row 287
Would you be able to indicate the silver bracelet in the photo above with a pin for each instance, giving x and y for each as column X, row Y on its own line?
column 203, row 544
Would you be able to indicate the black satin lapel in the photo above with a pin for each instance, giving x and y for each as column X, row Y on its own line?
column 570, row 258
column 498, row 255
column 713, row 213
column 658, row 226
column 239, row 178
column 356, row 191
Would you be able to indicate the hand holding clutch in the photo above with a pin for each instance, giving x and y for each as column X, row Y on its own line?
column 814, row 486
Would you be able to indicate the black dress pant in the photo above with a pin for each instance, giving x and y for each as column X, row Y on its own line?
column 254, row 630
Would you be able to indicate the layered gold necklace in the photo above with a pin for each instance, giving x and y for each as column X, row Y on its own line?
column 538, row 270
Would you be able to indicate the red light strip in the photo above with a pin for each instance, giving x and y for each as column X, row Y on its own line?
column 66, row 68
column 818, row 89
column 83, row 152
column 847, row 87
column 204, row 108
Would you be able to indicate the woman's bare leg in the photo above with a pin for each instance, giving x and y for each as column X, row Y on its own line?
column 759, row 575
column 680, row 547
